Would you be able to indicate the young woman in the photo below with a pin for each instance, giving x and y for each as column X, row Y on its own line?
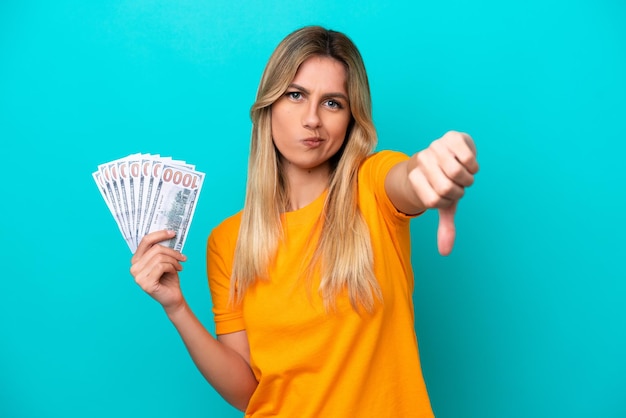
column 312, row 281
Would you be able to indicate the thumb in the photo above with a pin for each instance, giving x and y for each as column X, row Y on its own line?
column 446, row 231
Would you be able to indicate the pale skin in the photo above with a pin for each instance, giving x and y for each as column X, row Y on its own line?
column 309, row 123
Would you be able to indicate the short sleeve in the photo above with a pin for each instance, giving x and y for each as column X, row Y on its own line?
column 220, row 253
column 372, row 175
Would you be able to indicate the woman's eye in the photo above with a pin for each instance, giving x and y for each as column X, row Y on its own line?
column 334, row 104
column 295, row 95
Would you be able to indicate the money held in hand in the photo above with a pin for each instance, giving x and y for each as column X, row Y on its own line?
column 147, row 193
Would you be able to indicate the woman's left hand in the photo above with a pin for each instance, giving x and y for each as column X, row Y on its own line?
column 439, row 175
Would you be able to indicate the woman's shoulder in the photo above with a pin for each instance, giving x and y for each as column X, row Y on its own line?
column 371, row 184
column 381, row 156
column 380, row 162
column 228, row 228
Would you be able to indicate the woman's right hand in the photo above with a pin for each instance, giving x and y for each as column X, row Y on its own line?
column 155, row 268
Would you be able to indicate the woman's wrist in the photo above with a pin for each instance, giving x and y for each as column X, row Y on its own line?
column 176, row 311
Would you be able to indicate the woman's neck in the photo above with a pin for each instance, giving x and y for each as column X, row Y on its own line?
column 306, row 185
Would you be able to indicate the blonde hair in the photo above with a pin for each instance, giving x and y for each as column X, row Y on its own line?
column 344, row 251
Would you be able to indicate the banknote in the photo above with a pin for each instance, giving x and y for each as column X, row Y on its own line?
column 109, row 175
column 148, row 192
column 106, row 193
column 174, row 202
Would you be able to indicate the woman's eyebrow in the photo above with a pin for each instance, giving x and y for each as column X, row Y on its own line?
column 304, row 90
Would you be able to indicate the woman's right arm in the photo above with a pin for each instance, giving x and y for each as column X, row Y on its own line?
column 224, row 362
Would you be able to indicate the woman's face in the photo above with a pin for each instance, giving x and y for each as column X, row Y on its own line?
column 309, row 122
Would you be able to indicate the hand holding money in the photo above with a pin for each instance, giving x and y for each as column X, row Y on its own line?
column 147, row 193
column 155, row 269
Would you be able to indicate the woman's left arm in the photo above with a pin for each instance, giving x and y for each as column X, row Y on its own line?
column 435, row 177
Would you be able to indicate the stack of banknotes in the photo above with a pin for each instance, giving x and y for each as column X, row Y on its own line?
column 146, row 193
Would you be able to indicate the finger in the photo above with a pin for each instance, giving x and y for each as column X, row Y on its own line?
column 430, row 164
column 150, row 281
column 446, row 231
column 157, row 254
column 151, row 239
column 426, row 191
column 463, row 147
column 157, row 266
column 139, row 261
column 451, row 166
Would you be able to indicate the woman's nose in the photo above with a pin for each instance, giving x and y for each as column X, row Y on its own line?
column 311, row 118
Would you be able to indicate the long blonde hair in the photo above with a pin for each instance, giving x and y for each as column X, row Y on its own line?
column 344, row 250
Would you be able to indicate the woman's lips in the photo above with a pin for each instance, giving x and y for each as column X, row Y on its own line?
column 312, row 142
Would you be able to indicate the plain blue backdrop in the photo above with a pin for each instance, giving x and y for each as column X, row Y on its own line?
column 527, row 317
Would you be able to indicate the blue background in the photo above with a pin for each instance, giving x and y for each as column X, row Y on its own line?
column 526, row 318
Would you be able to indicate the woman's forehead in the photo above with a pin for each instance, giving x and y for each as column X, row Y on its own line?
column 322, row 73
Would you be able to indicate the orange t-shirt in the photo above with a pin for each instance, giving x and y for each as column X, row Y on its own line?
column 316, row 363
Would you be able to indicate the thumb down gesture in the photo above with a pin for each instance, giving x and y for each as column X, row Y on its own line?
column 436, row 178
